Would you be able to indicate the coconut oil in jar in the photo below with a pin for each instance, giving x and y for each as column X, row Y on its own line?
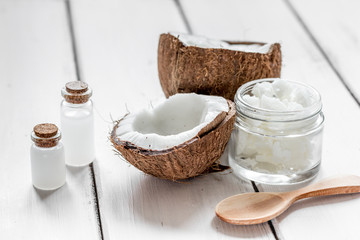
column 277, row 137
column 77, row 123
column 47, row 157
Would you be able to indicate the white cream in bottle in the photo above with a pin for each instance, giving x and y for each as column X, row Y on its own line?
column 47, row 157
column 77, row 124
column 278, row 132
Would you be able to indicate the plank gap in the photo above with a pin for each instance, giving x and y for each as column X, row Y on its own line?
column 79, row 78
column 73, row 39
column 271, row 225
column 274, row 232
column 96, row 200
column 254, row 186
column 183, row 16
column 322, row 51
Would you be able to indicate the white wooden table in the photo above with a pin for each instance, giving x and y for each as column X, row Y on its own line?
column 112, row 45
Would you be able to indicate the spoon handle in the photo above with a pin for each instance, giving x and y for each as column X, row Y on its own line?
column 337, row 185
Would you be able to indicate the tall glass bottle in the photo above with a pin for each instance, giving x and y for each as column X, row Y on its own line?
column 77, row 124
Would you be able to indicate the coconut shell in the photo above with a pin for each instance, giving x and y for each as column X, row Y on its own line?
column 210, row 71
column 187, row 160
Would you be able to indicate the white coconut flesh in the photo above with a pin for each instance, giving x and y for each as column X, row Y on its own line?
column 203, row 42
column 172, row 122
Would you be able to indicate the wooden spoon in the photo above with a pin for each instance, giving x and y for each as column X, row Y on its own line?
column 259, row 207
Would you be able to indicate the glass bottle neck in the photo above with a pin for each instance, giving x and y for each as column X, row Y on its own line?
column 46, row 142
column 88, row 103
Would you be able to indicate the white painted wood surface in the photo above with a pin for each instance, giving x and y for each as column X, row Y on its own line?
column 117, row 57
column 36, row 60
column 325, row 218
column 335, row 25
column 116, row 42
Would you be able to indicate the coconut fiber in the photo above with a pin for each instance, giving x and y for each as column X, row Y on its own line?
column 210, row 71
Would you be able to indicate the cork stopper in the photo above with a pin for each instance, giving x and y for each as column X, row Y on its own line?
column 76, row 92
column 76, row 87
column 45, row 130
column 46, row 135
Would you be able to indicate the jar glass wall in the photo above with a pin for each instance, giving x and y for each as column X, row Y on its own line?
column 47, row 166
column 276, row 147
column 77, row 123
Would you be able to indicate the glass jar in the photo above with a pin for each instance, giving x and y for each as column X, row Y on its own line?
column 77, row 124
column 276, row 147
column 47, row 157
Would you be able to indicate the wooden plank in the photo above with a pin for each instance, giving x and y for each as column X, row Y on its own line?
column 338, row 33
column 36, row 61
column 261, row 20
column 117, row 43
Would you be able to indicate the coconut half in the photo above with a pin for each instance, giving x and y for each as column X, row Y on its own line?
column 177, row 139
column 189, row 63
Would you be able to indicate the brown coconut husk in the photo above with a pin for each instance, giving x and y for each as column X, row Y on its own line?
column 187, row 160
column 210, row 71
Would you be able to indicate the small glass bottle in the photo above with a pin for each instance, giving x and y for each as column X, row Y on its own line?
column 77, row 124
column 276, row 147
column 47, row 157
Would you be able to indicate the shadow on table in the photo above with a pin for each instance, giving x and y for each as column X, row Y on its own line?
column 43, row 194
column 191, row 204
column 238, row 231
column 72, row 172
column 315, row 202
column 76, row 170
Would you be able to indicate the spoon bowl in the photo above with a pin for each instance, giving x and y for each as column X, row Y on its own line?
column 250, row 208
